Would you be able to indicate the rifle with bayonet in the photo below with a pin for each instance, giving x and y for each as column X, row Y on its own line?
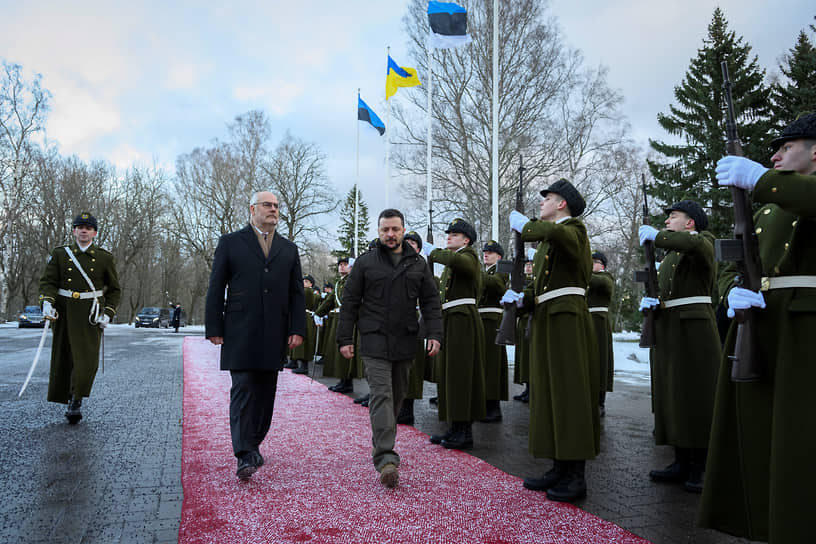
column 648, row 277
column 743, row 250
column 505, row 335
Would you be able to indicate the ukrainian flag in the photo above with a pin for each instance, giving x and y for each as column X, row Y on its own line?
column 399, row 76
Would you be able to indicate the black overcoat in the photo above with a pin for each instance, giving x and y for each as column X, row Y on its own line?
column 254, row 302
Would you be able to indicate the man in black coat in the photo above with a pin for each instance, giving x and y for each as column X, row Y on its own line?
column 255, row 311
column 381, row 296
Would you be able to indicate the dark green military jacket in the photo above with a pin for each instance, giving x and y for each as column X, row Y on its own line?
column 599, row 296
column 75, row 345
column 334, row 364
column 460, row 364
column 521, row 350
column 686, row 358
column 490, row 310
column 564, row 381
column 306, row 350
column 759, row 476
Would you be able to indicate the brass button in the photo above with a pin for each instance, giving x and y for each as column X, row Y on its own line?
column 787, row 245
column 776, row 269
column 93, row 260
column 546, row 272
column 546, row 257
column 774, row 190
column 794, row 223
column 69, row 279
column 767, row 211
column 759, row 230
column 91, row 269
column 75, row 295
column 70, row 269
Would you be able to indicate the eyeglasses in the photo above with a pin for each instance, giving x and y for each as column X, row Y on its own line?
column 267, row 205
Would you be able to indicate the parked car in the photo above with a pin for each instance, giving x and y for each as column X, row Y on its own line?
column 31, row 316
column 154, row 317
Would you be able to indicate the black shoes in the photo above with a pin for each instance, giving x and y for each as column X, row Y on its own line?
column 364, row 398
column 302, row 367
column 572, row 486
column 524, row 396
column 602, row 410
column 345, row 385
column 406, row 413
column 493, row 412
column 247, row 465
column 292, row 364
column 688, row 468
column 549, row 478
column 438, row 438
column 73, row 414
column 257, row 459
column 461, row 439
column 676, row 472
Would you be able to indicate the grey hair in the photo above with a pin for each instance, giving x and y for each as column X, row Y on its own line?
column 254, row 199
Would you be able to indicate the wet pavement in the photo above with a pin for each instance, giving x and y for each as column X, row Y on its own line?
column 115, row 477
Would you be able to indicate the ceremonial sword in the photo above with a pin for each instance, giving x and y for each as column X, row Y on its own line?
column 36, row 355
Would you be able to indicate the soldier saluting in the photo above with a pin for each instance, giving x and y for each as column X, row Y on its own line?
column 79, row 289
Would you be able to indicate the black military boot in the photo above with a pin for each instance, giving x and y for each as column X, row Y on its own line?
column 291, row 364
column 462, row 439
column 696, row 472
column 493, row 413
column 524, row 394
column 572, row 486
column 677, row 471
column 406, row 413
column 346, row 385
column 73, row 414
column 549, row 478
column 364, row 398
column 302, row 367
column 438, row 438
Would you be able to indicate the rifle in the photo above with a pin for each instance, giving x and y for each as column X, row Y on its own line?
column 505, row 335
column 648, row 277
column 429, row 236
column 743, row 249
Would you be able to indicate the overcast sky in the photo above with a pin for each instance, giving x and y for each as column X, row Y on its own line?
column 138, row 81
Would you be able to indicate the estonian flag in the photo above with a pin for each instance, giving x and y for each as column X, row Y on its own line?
column 448, row 25
column 364, row 113
column 399, row 76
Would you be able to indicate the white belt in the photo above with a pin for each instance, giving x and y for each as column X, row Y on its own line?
column 490, row 310
column 78, row 295
column 560, row 293
column 594, row 309
column 459, row 302
column 788, row 282
column 685, row 301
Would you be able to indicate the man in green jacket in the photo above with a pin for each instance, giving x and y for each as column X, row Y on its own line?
column 334, row 364
column 490, row 310
column 599, row 295
column 564, row 418
column 760, row 478
column 461, row 360
column 79, row 290
column 687, row 355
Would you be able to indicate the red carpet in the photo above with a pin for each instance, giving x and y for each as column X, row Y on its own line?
column 319, row 485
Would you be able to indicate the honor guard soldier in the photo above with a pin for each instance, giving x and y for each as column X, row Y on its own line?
column 564, row 419
column 760, row 477
column 490, row 310
column 461, row 361
column 686, row 357
column 601, row 285
column 521, row 353
column 79, row 289
column 301, row 355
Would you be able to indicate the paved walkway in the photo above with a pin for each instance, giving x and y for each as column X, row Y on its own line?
column 115, row 477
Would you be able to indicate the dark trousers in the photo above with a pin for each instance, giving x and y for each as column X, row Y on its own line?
column 252, row 399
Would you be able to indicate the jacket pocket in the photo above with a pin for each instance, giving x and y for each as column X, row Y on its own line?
column 368, row 326
column 562, row 305
column 804, row 300
column 413, row 285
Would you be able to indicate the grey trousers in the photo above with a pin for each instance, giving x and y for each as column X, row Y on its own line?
column 252, row 399
column 388, row 383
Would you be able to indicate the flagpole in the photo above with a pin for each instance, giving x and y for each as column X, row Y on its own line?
column 495, row 211
column 357, row 183
column 430, row 135
column 387, row 138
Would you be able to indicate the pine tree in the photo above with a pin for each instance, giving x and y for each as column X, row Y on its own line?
column 796, row 94
column 699, row 122
column 346, row 237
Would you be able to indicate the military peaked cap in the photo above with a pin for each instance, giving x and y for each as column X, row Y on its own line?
column 600, row 257
column 412, row 235
column 693, row 210
column 494, row 246
column 85, row 219
column 803, row 127
column 343, row 260
column 310, row 278
column 460, row 225
column 569, row 193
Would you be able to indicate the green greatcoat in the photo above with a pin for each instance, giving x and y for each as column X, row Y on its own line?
column 599, row 296
column 687, row 355
column 334, row 364
column 564, row 413
column 75, row 345
column 759, row 477
column 521, row 352
column 460, row 364
column 306, row 350
column 490, row 310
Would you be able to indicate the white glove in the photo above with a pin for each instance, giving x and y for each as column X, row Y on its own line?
column 531, row 253
column 518, row 220
column 318, row 320
column 742, row 299
column 657, row 265
column 103, row 321
column 647, row 233
column 427, row 247
column 351, row 261
column 647, row 303
column 48, row 310
column 511, row 296
column 739, row 172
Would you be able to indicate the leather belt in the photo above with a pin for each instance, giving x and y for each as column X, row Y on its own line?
column 77, row 295
column 490, row 310
column 594, row 309
column 459, row 302
column 555, row 293
column 788, row 282
column 685, row 301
